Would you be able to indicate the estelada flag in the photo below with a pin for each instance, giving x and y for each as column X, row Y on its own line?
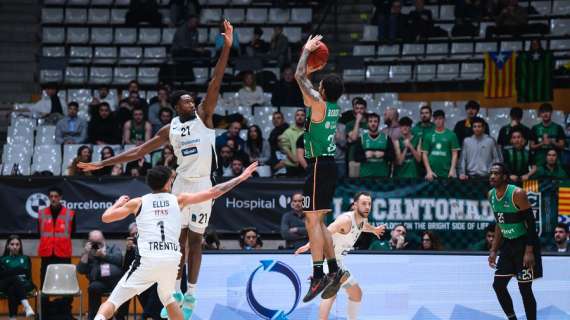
column 500, row 74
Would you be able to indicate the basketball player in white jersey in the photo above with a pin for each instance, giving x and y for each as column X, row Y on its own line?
column 345, row 231
column 192, row 137
column 158, row 219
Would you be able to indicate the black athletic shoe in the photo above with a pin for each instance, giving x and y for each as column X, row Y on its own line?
column 317, row 286
column 334, row 282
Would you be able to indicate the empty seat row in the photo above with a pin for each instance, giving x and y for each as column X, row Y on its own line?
column 90, row 16
column 418, row 72
column 101, row 75
column 84, row 35
column 124, row 3
column 108, row 55
column 257, row 15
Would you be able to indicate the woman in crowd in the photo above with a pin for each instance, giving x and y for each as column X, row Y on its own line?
column 83, row 155
column 430, row 241
column 15, row 277
column 167, row 158
column 256, row 147
column 106, row 153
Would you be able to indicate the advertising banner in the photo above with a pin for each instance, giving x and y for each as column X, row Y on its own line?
column 418, row 287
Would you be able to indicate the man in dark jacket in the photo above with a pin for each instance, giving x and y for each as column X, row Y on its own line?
column 464, row 128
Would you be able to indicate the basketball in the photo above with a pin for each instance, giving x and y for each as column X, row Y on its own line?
column 318, row 58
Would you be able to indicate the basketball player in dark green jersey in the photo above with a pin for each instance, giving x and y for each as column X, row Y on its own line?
column 516, row 235
column 319, row 137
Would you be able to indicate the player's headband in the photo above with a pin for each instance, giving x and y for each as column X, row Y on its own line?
column 186, row 97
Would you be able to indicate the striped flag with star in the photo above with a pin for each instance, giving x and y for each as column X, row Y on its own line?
column 564, row 201
column 500, row 74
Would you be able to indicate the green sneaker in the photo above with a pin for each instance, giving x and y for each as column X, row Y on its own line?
column 178, row 297
column 188, row 306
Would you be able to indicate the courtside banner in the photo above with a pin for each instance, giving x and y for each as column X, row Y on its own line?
column 419, row 287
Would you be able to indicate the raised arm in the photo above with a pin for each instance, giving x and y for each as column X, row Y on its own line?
column 311, row 97
column 135, row 153
column 121, row 209
column 216, row 191
column 208, row 104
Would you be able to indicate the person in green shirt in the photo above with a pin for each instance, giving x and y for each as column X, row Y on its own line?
column 397, row 240
column 353, row 129
column 440, row 150
column 518, row 159
column 485, row 244
column 288, row 144
column 320, row 148
column 375, row 150
column 425, row 125
column 515, row 234
column 545, row 135
column 408, row 154
column 16, row 277
column 552, row 169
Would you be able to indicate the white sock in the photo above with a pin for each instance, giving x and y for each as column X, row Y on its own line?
column 99, row 317
column 25, row 303
column 178, row 285
column 191, row 288
column 352, row 309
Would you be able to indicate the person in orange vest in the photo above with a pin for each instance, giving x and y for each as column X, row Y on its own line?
column 55, row 225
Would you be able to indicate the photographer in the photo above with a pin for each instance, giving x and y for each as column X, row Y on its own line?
column 102, row 264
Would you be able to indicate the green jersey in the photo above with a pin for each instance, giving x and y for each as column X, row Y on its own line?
column 543, row 172
column 409, row 168
column 518, row 161
column 319, row 136
column 554, row 132
column 375, row 167
column 420, row 130
column 507, row 214
column 439, row 146
column 19, row 262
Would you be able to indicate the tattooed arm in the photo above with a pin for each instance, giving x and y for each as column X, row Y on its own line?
column 216, row 191
column 311, row 97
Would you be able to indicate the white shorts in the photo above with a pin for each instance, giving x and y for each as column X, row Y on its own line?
column 351, row 281
column 194, row 216
column 143, row 273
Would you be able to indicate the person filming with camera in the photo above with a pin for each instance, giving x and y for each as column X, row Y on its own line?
column 102, row 264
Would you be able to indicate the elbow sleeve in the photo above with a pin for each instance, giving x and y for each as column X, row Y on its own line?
column 531, row 227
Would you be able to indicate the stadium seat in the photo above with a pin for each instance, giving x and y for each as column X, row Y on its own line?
column 561, row 7
column 425, row 72
column 125, row 35
column 471, row 70
column 412, row 50
column 101, row 36
column 353, row 75
column 278, row 15
column 80, row 54
column 51, row 75
column 213, row 32
column 448, row 27
column 54, row 2
column 210, row 15
column 482, row 47
column 100, row 75
column 560, row 26
column 20, row 135
column 240, row 2
column 45, row 135
column 262, row 117
column 234, row 15
column 53, row 35
column 23, row 123
column 447, row 12
column 483, row 28
column 149, row 36
column 23, row 166
column 400, row 73
column 61, row 279
column 130, row 55
column 77, row 35
column 217, row 2
column 75, row 75
column 118, row 16
column 69, row 153
column 47, row 158
column 388, row 50
column 461, row 50
column 75, row 15
column 97, row 148
column 447, row 71
column 543, row 7
column 293, row 34
column 360, row 50
column 105, row 55
column 167, row 35
column 256, row 15
column 560, row 46
column 377, row 73
column 154, row 55
column 12, row 153
column 106, row 3
column 53, row 52
column 81, row 96
column 245, row 35
column 301, row 15
column 77, row 2
column 407, row 9
column 122, row 75
column 201, row 75
column 148, row 75
column 434, row 11
column 267, row 34
column 436, row 50
column 52, row 15
column 370, row 33
column 122, row 3
column 511, row 46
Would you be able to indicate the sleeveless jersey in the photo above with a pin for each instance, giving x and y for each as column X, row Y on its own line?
column 158, row 223
column 319, row 136
column 375, row 167
column 343, row 243
column 137, row 133
column 193, row 145
column 506, row 213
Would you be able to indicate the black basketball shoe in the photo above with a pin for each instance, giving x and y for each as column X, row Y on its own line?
column 334, row 282
column 317, row 286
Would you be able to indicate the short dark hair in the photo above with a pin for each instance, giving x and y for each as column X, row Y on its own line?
column 165, row 110
column 373, row 115
column 278, row 112
column 545, row 107
column 406, row 121
column 55, row 189
column 472, row 104
column 176, row 95
column 359, row 100
column 517, row 128
column 490, row 228
column 285, row 67
column 562, row 225
column 333, row 87
column 133, row 81
column 73, row 104
column 426, row 106
column 478, row 120
column 501, row 165
column 104, row 104
column 157, row 177
column 360, row 194
column 438, row 113
column 138, row 109
column 400, row 225
column 516, row 113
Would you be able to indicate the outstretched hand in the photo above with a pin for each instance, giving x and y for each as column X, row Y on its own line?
column 248, row 172
column 313, row 43
column 89, row 166
column 228, row 34
column 303, row 249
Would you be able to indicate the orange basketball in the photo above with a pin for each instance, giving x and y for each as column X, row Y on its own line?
column 318, row 58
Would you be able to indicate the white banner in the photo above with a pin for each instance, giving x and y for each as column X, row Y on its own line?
column 418, row 287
